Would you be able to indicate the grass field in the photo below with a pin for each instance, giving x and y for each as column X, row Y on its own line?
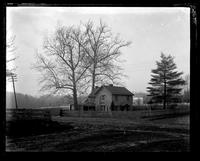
column 78, row 134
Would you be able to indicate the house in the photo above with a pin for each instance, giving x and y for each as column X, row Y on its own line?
column 108, row 98
column 138, row 101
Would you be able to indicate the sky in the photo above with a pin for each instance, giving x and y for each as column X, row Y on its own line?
column 151, row 31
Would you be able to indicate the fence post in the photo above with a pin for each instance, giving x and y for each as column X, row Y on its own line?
column 150, row 110
column 61, row 112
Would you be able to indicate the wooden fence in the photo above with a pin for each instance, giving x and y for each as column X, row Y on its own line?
column 47, row 113
column 27, row 114
column 122, row 114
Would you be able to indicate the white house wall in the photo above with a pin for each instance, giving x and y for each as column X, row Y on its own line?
column 108, row 99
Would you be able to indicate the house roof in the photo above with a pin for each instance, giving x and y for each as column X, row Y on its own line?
column 115, row 90
column 118, row 90
column 92, row 94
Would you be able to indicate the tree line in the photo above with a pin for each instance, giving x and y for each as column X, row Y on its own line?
column 28, row 101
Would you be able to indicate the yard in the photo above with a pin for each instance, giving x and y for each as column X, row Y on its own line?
column 77, row 134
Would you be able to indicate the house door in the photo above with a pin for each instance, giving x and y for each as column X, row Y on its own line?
column 102, row 103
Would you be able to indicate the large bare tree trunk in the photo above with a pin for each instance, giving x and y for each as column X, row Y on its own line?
column 93, row 78
column 74, row 89
column 75, row 98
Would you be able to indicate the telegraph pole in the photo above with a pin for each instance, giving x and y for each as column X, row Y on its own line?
column 14, row 91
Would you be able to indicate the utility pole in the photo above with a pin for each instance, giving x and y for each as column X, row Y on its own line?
column 14, row 91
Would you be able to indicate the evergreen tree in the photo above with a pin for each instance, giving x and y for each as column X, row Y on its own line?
column 186, row 91
column 165, row 82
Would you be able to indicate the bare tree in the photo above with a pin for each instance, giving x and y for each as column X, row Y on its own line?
column 62, row 66
column 10, row 69
column 10, row 49
column 76, row 57
column 103, row 51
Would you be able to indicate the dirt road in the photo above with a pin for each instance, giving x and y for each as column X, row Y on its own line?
column 106, row 135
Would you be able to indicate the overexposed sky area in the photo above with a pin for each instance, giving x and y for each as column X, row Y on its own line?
column 151, row 31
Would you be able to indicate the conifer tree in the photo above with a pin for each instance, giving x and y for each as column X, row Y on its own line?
column 166, row 82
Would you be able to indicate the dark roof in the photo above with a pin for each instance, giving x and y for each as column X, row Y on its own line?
column 92, row 94
column 118, row 90
column 113, row 89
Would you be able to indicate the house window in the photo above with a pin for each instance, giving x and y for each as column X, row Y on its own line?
column 127, row 98
column 102, row 99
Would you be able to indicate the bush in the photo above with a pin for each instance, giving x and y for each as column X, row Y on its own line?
column 21, row 128
column 140, row 107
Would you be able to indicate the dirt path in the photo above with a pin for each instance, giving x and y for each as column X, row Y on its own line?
column 105, row 135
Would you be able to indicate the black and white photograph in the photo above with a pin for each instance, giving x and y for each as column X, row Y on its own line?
column 97, row 79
